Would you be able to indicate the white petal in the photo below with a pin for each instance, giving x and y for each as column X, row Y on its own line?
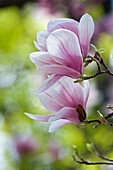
column 41, row 59
column 64, row 23
column 41, row 38
column 42, row 118
column 48, row 83
column 57, row 124
column 85, row 32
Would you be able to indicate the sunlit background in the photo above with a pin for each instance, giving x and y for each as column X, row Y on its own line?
column 26, row 144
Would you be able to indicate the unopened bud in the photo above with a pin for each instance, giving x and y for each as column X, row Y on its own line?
column 75, row 149
column 94, row 48
column 73, row 156
column 101, row 118
column 90, row 147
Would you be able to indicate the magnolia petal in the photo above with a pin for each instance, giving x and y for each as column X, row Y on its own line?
column 61, row 70
column 48, row 102
column 77, row 92
column 64, row 44
column 64, row 23
column 41, row 38
column 41, row 58
column 42, row 118
column 39, row 47
column 85, row 32
column 48, row 83
column 57, row 124
column 67, row 113
column 67, row 93
column 61, row 93
column 86, row 90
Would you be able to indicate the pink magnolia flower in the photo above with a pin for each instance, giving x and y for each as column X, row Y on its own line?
column 62, row 48
column 63, row 98
column 25, row 145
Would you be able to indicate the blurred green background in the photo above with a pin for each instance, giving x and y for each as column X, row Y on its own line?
column 26, row 144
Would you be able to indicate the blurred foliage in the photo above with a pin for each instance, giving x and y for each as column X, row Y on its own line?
column 18, row 80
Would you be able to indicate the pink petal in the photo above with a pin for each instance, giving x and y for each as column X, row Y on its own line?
column 41, row 38
column 79, row 91
column 39, row 47
column 86, row 90
column 67, row 93
column 61, row 93
column 42, row 118
column 76, row 90
column 41, row 58
column 48, row 83
column 64, row 44
column 61, row 70
column 48, row 102
column 67, row 113
column 64, row 23
column 85, row 32
column 57, row 124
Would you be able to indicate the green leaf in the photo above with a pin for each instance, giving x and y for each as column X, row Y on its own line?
column 102, row 50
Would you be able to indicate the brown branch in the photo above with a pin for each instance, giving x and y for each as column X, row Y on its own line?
column 103, row 157
column 99, row 60
column 99, row 72
column 82, row 161
column 99, row 122
column 92, row 163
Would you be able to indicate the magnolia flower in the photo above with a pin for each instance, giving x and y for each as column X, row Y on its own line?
column 62, row 48
column 66, row 99
column 25, row 145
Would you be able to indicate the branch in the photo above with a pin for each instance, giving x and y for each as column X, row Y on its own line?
column 100, row 120
column 77, row 158
column 92, row 163
column 103, row 157
column 99, row 61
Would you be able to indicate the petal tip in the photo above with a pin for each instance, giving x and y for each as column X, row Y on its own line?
column 51, row 130
column 27, row 114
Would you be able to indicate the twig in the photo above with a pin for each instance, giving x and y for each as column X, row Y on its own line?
column 98, row 121
column 82, row 161
column 109, row 115
column 96, row 74
column 107, row 159
column 99, row 60
column 97, row 54
column 92, row 163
